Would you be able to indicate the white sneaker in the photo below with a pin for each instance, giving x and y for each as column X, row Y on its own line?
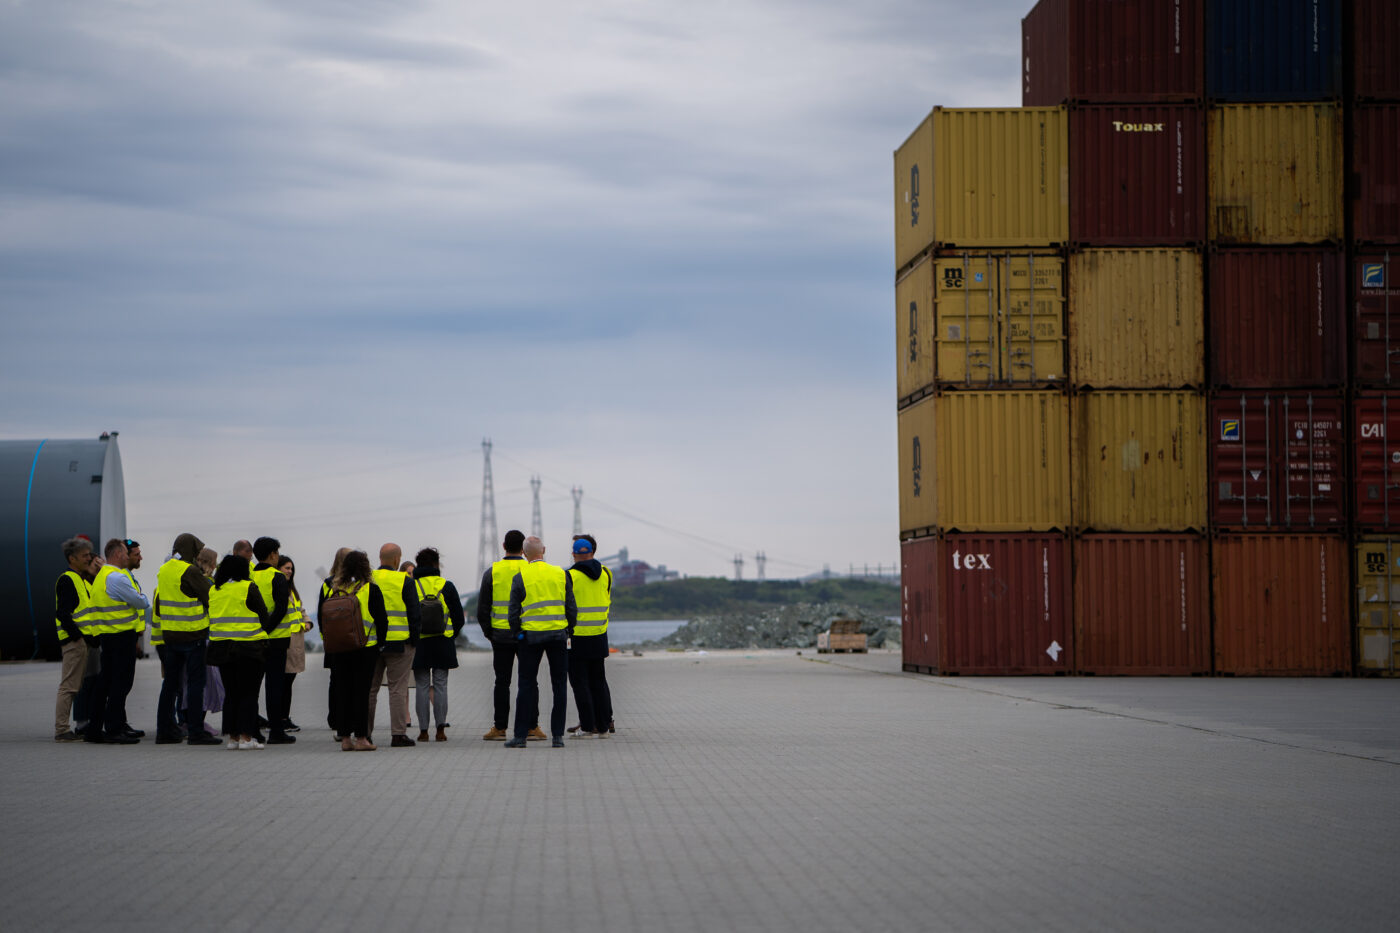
column 251, row 743
column 233, row 744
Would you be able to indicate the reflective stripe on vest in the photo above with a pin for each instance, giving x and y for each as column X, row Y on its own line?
column 140, row 613
column 230, row 619
column 175, row 611
column 503, row 573
column 593, row 599
column 262, row 579
column 106, row 614
column 295, row 619
column 543, row 607
column 431, row 588
column 80, row 611
column 391, row 588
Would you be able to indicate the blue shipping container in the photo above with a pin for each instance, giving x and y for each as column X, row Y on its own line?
column 1274, row 50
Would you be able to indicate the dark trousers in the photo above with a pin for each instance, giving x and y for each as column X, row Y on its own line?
column 527, row 697
column 114, row 682
column 275, row 689
column 351, row 673
column 589, row 678
column 183, row 678
column 287, row 698
column 242, row 678
column 503, row 660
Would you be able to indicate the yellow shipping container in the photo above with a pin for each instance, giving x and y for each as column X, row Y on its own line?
column 974, row 179
column 1378, row 606
column 1136, row 319
column 999, row 319
column 1139, row 461
column 1275, row 173
column 985, row 461
column 913, row 331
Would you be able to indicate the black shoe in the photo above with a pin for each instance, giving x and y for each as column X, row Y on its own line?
column 203, row 738
column 96, row 738
column 168, row 738
column 262, row 723
column 515, row 742
column 123, row 738
column 401, row 741
column 69, row 736
column 289, row 726
column 573, row 728
column 611, row 727
column 281, row 738
column 138, row 733
column 558, row 742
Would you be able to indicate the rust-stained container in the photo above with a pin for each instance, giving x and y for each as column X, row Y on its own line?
column 1375, row 173
column 1137, row 174
column 1109, row 50
column 984, row 461
column 1138, row 461
column 1141, row 604
column 1376, row 327
column 1376, row 570
column 992, row 604
column 1278, row 461
column 999, row 319
column 1136, row 319
column 1375, row 36
column 1376, row 459
column 1277, row 318
column 913, row 328
column 913, row 195
column 1275, row 173
column 1281, row 604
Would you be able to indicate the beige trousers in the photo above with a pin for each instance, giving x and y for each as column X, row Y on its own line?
column 399, row 668
column 75, row 654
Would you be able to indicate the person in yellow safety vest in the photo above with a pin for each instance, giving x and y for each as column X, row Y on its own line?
column 296, row 645
column 492, row 603
column 115, row 610
column 352, row 670
column 238, row 627
column 182, row 620
column 437, row 649
column 276, row 592
column 208, row 562
column 542, row 616
column 396, row 653
column 72, row 595
column 588, row 648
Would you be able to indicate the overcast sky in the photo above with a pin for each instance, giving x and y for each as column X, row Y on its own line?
column 305, row 255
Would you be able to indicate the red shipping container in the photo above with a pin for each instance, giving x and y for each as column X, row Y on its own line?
column 1376, row 297
column 1141, row 604
column 1281, row 604
column 1375, row 36
column 1137, row 175
column 1374, row 173
column 1110, row 50
column 988, row 604
column 1276, row 318
column 1376, row 417
column 1278, row 461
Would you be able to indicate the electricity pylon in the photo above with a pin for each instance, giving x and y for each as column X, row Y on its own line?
column 486, row 552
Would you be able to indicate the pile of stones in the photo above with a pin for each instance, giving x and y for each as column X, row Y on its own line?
column 793, row 626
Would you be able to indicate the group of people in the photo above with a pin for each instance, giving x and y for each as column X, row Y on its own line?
column 234, row 628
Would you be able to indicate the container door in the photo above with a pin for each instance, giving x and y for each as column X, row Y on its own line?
column 1378, row 462
column 1378, row 606
column 1242, row 461
column 1377, row 333
column 1313, row 441
column 965, row 290
column 1032, row 319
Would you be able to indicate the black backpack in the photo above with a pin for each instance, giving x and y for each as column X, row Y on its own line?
column 432, row 615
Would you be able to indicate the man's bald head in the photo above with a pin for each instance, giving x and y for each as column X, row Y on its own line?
column 243, row 548
column 390, row 555
column 534, row 548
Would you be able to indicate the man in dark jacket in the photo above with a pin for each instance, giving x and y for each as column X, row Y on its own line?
column 70, row 596
column 588, row 648
column 492, row 601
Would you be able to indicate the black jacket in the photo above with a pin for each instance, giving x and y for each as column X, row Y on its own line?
column 483, row 607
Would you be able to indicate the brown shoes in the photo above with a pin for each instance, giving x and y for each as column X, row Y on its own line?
column 535, row 735
column 364, row 745
column 441, row 734
column 347, row 744
column 495, row 735
column 422, row 735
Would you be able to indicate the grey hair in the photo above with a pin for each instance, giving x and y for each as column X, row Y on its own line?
column 74, row 546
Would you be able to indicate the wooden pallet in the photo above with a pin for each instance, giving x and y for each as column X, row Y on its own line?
column 843, row 650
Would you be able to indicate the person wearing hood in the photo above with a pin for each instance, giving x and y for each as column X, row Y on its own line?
column 588, row 649
column 182, row 618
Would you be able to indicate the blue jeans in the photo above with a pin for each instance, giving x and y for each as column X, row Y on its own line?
column 181, row 661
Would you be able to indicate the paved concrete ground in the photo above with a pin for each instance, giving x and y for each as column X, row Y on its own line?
column 743, row 791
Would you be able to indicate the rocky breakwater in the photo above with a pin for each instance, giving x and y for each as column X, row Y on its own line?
column 792, row 626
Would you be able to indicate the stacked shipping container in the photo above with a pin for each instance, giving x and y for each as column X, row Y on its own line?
column 1066, row 442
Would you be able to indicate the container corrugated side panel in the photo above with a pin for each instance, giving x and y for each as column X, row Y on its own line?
column 1273, row 50
column 1278, row 318
column 913, row 194
column 999, row 319
column 1141, row 604
column 918, row 604
column 1002, row 461
column 1275, row 173
column 918, row 494
column 1376, row 460
column 1109, row 50
column 1375, row 39
column 1138, row 175
column 1281, row 604
column 913, row 327
column 1001, row 177
column 1003, row 605
column 1139, row 461
column 1376, row 570
column 1376, row 327
column 1136, row 318
column 1375, row 168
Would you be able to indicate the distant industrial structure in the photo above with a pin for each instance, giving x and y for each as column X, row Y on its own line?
column 628, row 572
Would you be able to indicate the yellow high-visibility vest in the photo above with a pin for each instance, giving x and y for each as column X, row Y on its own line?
column 109, row 615
column 543, row 607
column 230, row 619
column 431, row 588
column 295, row 619
column 391, row 587
column 140, row 614
column 593, row 599
column 80, row 612
column 175, row 612
column 503, row 573
column 262, row 579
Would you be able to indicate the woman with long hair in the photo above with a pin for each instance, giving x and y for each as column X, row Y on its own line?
column 325, row 656
column 437, row 651
column 239, row 622
column 352, row 671
column 296, row 645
